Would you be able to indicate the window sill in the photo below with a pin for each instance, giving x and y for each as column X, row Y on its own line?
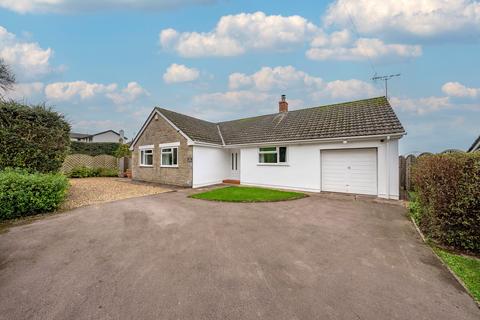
column 145, row 166
column 164, row 166
column 274, row 164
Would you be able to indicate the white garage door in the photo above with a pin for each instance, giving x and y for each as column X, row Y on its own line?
column 350, row 171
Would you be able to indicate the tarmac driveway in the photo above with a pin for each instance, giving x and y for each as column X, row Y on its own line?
column 170, row 257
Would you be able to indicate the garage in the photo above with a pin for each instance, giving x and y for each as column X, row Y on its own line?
column 349, row 171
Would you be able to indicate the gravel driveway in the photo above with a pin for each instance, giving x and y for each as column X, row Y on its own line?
column 168, row 256
column 86, row 191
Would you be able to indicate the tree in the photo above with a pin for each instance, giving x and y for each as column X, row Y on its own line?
column 7, row 79
column 35, row 138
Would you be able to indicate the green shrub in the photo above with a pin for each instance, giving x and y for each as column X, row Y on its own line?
column 448, row 191
column 106, row 172
column 123, row 150
column 23, row 193
column 94, row 148
column 32, row 137
column 86, row 172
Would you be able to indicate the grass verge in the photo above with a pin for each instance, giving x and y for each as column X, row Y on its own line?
column 466, row 268
column 247, row 194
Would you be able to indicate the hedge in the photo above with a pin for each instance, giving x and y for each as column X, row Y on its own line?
column 94, row 148
column 86, row 172
column 23, row 193
column 448, row 194
column 32, row 137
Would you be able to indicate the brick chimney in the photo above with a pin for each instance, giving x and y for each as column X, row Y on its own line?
column 283, row 104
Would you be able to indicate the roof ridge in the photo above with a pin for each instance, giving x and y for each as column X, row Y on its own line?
column 185, row 115
column 308, row 108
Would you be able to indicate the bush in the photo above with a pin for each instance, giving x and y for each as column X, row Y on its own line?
column 23, row 193
column 123, row 150
column 448, row 191
column 34, row 138
column 94, row 148
column 86, row 172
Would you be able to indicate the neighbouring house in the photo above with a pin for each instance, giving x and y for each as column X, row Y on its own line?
column 475, row 146
column 348, row 147
column 104, row 136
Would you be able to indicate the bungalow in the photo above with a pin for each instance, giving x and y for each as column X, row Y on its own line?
column 347, row 147
column 104, row 136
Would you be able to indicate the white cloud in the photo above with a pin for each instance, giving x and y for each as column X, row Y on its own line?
column 69, row 6
column 361, row 49
column 421, row 105
column 25, row 91
column 180, row 73
column 27, row 59
column 421, row 19
column 267, row 78
column 235, row 34
column 291, row 79
column 71, row 91
column 128, row 94
column 456, row 89
column 63, row 91
column 347, row 89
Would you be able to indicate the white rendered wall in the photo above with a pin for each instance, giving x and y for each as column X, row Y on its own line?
column 106, row 137
column 210, row 165
column 303, row 169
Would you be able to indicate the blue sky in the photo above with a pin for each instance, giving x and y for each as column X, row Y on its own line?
column 106, row 64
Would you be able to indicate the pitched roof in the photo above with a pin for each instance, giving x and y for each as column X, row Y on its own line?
column 366, row 117
column 475, row 146
column 77, row 135
column 196, row 129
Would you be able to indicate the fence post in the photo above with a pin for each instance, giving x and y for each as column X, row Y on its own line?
column 402, row 177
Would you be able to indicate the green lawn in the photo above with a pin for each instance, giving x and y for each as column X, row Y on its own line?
column 247, row 194
column 467, row 269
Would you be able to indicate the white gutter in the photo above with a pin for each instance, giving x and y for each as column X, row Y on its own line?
column 308, row 141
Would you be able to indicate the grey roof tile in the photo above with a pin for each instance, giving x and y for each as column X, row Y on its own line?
column 357, row 118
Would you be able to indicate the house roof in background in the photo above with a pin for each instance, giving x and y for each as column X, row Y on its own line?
column 365, row 117
column 78, row 135
column 86, row 135
column 475, row 146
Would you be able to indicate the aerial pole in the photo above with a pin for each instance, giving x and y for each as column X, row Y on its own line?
column 385, row 79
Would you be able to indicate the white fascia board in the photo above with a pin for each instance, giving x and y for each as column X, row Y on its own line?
column 311, row 141
column 206, row 144
column 150, row 117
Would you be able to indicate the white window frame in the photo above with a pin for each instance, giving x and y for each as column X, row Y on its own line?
column 171, row 146
column 277, row 151
column 141, row 153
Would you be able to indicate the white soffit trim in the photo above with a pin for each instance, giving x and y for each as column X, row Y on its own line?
column 169, row 144
column 310, row 141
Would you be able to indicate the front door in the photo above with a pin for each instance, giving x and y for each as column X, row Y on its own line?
column 235, row 164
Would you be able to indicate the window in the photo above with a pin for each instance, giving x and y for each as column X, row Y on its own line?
column 146, row 157
column 169, row 157
column 272, row 155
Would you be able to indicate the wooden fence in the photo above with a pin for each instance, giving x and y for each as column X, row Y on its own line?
column 405, row 170
column 83, row 160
